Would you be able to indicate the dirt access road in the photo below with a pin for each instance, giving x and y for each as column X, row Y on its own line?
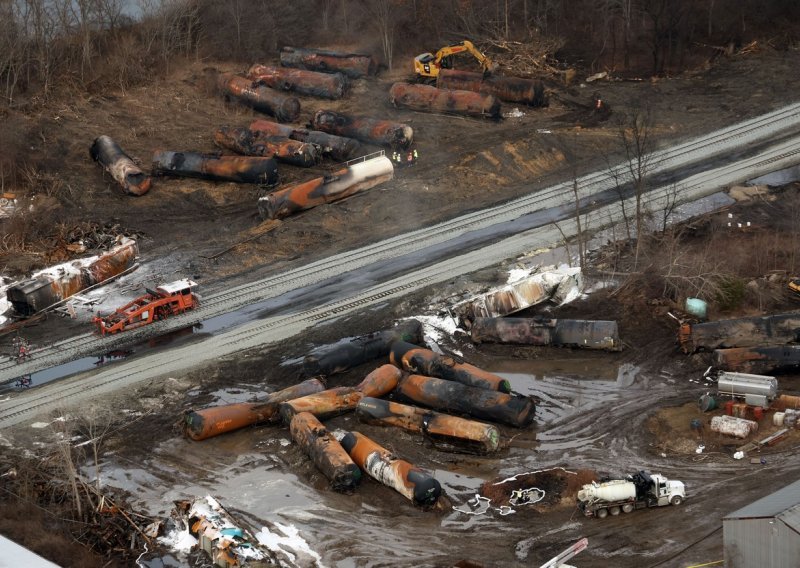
column 590, row 416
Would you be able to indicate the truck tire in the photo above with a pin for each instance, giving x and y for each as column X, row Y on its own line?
column 627, row 508
column 614, row 511
column 676, row 500
column 602, row 513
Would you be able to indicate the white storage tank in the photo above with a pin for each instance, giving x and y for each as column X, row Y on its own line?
column 742, row 384
column 614, row 490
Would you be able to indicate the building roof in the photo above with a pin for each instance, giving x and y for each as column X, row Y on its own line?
column 784, row 501
column 17, row 555
column 791, row 517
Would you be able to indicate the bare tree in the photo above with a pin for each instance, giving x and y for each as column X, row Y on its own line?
column 384, row 15
column 635, row 132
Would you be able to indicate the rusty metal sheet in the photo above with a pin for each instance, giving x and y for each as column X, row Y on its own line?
column 304, row 82
column 758, row 360
column 787, row 401
column 370, row 130
column 518, row 295
column 415, row 359
column 339, row 148
column 379, row 382
column 380, row 464
column 325, row 451
column 440, row 394
column 54, row 285
column 334, row 187
column 239, row 169
column 351, row 352
column 255, row 143
column 263, row 99
column 215, row 420
column 586, row 334
column 121, row 166
column 354, row 65
column 447, row 432
column 427, row 98
column 512, row 89
column 741, row 332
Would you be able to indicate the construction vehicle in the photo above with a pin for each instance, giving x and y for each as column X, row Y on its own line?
column 794, row 285
column 637, row 491
column 427, row 65
column 165, row 301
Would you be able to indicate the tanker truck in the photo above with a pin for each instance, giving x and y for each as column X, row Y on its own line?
column 636, row 491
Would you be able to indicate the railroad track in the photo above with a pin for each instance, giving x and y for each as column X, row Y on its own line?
column 726, row 141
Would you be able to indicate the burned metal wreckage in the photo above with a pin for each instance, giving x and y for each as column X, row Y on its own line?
column 585, row 334
column 354, row 65
column 312, row 83
column 511, row 89
column 263, row 99
column 238, row 169
column 427, row 98
column 354, row 178
column 121, row 166
column 52, row 286
column 256, row 143
column 369, row 130
column 337, row 148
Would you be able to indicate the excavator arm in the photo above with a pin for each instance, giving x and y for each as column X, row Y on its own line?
column 427, row 65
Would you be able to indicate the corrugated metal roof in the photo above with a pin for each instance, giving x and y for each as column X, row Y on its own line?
column 792, row 518
column 771, row 505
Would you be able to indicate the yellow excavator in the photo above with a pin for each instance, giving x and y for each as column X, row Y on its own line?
column 427, row 65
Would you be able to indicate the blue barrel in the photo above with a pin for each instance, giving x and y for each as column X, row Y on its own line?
column 707, row 403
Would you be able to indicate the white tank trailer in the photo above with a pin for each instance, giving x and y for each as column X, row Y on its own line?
column 740, row 385
column 637, row 491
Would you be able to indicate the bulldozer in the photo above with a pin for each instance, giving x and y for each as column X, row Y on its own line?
column 427, row 65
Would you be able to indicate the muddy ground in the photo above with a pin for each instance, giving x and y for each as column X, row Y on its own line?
column 602, row 413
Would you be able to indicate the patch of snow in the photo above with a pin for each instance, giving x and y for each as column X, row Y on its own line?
column 39, row 425
column 291, row 539
column 517, row 274
column 181, row 541
column 285, row 442
column 516, row 113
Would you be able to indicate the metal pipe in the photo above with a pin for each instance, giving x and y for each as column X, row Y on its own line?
column 512, row 89
column 740, row 332
column 334, row 187
column 52, row 286
column 339, row 148
column 758, row 360
column 326, row 85
column 447, row 432
column 121, row 167
column 415, row 359
column 370, row 130
column 253, row 143
column 239, row 169
column 427, row 98
column 325, row 451
column 351, row 352
column 353, row 65
column 215, row 420
column 539, row 331
column 380, row 464
column 511, row 409
column 260, row 98
column 379, row 382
